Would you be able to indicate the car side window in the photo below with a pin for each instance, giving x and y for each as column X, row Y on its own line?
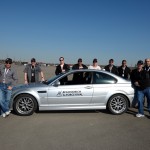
column 76, row 78
column 102, row 78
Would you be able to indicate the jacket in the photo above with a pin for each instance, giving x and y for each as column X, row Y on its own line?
column 114, row 69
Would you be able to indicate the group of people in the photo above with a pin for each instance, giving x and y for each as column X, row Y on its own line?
column 140, row 79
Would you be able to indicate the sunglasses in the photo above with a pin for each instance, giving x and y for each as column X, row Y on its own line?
column 61, row 60
column 8, row 62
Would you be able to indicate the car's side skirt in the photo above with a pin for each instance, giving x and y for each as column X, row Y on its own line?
column 72, row 107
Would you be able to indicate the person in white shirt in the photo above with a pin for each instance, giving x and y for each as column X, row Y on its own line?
column 95, row 65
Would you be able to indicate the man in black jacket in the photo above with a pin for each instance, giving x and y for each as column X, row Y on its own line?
column 140, row 78
column 111, row 67
column 78, row 77
column 145, row 92
column 62, row 68
column 124, row 71
column 135, row 78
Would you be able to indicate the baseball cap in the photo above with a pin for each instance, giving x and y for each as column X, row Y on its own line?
column 140, row 62
column 94, row 60
column 33, row 60
column 79, row 60
column 111, row 60
column 8, row 60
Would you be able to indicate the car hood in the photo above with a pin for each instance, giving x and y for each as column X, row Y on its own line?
column 26, row 86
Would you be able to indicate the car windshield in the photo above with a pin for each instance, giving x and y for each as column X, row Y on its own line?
column 51, row 79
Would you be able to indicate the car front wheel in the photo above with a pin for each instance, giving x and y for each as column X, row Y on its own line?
column 24, row 105
column 118, row 104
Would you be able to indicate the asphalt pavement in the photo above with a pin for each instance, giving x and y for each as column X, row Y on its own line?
column 75, row 130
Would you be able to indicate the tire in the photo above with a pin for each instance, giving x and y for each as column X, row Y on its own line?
column 24, row 105
column 118, row 104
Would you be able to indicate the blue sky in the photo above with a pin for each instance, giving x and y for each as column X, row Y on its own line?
column 87, row 29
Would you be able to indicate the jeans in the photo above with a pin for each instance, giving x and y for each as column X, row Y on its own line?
column 141, row 94
column 135, row 99
column 5, row 96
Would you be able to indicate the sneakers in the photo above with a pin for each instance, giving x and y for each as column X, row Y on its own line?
column 7, row 112
column 139, row 115
column 3, row 115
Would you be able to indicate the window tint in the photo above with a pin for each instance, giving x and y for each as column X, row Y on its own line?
column 102, row 78
column 81, row 77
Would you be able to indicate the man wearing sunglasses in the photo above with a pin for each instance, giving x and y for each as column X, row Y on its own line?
column 62, row 68
column 8, row 79
column 78, row 77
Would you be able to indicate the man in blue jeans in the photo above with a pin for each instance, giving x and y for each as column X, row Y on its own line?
column 8, row 78
column 144, row 84
column 135, row 78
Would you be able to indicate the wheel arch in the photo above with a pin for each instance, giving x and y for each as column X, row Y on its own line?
column 118, row 94
column 36, row 101
column 17, row 95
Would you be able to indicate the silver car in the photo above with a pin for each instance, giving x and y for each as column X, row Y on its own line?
column 75, row 90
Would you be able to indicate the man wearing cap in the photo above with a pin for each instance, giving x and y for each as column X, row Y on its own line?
column 79, row 65
column 144, row 83
column 8, row 79
column 32, row 71
column 78, row 77
column 111, row 67
column 124, row 71
column 95, row 65
column 136, row 78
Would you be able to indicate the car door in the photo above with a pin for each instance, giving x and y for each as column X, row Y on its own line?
column 70, row 93
column 103, row 84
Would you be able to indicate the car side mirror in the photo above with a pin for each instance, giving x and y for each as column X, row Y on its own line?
column 57, row 83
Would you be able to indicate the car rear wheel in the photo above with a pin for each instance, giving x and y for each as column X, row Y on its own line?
column 24, row 105
column 118, row 104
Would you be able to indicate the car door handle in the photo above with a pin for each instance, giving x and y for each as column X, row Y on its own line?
column 88, row 87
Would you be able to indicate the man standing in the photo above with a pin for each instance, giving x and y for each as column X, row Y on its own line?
column 95, row 65
column 147, row 64
column 124, row 71
column 111, row 67
column 8, row 79
column 62, row 68
column 32, row 71
column 79, row 65
column 78, row 77
column 147, row 68
column 144, row 83
column 135, row 78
